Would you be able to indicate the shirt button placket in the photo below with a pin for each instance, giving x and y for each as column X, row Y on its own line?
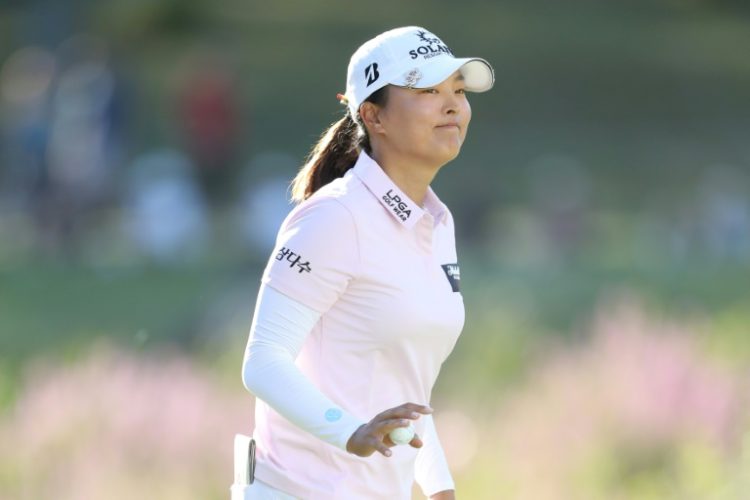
column 425, row 233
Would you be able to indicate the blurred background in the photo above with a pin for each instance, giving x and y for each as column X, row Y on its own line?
column 602, row 204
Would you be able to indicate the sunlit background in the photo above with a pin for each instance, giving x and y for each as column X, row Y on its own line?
column 602, row 204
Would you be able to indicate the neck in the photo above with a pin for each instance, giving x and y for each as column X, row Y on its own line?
column 411, row 176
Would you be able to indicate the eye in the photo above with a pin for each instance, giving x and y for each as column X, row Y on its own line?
column 461, row 91
column 429, row 91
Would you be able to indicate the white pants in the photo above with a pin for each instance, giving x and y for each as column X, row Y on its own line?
column 258, row 491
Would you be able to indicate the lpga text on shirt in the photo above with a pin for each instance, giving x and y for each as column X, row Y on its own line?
column 399, row 206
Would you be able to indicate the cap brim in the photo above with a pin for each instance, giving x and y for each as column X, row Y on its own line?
column 477, row 72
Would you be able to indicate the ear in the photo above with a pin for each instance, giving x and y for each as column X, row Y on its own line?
column 370, row 114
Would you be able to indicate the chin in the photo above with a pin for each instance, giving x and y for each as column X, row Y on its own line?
column 451, row 154
column 441, row 155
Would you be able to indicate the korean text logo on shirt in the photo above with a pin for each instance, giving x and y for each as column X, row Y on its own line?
column 293, row 259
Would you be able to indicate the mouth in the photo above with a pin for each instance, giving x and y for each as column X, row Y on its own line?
column 449, row 126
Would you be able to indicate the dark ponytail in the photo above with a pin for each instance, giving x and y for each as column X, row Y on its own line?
column 335, row 153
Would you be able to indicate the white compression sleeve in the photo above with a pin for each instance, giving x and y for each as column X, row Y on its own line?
column 277, row 334
column 431, row 469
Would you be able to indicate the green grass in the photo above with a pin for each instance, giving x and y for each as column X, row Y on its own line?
column 48, row 307
column 54, row 308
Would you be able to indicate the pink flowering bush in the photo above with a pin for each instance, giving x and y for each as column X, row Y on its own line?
column 119, row 426
column 636, row 411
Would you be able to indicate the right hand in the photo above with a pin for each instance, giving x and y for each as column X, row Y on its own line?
column 373, row 436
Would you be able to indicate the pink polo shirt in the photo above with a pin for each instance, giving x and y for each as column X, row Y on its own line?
column 383, row 273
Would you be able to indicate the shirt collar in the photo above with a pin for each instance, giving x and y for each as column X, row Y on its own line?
column 436, row 207
column 396, row 202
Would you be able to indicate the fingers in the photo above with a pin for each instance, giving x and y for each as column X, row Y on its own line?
column 375, row 435
column 387, row 426
column 416, row 442
column 406, row 410
column 381, row 447
column 388, row 441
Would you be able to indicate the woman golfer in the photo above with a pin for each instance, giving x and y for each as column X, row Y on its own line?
column 359, row 304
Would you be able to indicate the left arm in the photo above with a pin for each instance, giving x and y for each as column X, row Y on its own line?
column 431, row 469
column 444, row 495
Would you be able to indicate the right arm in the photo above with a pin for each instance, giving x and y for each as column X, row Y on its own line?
column 279, row 328
column 316, row 257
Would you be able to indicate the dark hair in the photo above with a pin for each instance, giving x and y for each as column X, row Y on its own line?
column 336, row 151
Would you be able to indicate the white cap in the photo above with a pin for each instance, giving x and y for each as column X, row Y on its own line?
column 409, row 57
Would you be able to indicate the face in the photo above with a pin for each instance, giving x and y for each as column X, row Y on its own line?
column 424, row 125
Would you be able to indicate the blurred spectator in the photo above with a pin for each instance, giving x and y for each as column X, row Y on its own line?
column 724, row 221
column 26, row 82
column 165, row 214
column 84, row 143
column 60, row 140
column 210, row 121
column 264, row 200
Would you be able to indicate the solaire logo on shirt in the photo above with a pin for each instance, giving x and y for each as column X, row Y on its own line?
column 399, row 207
column 453, row 273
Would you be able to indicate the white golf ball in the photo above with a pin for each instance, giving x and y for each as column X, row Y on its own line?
column 402, row 435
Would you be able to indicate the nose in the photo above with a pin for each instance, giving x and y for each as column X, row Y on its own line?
column 451, row 104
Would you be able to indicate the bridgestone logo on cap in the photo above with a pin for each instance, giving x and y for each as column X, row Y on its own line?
column 371, row 73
